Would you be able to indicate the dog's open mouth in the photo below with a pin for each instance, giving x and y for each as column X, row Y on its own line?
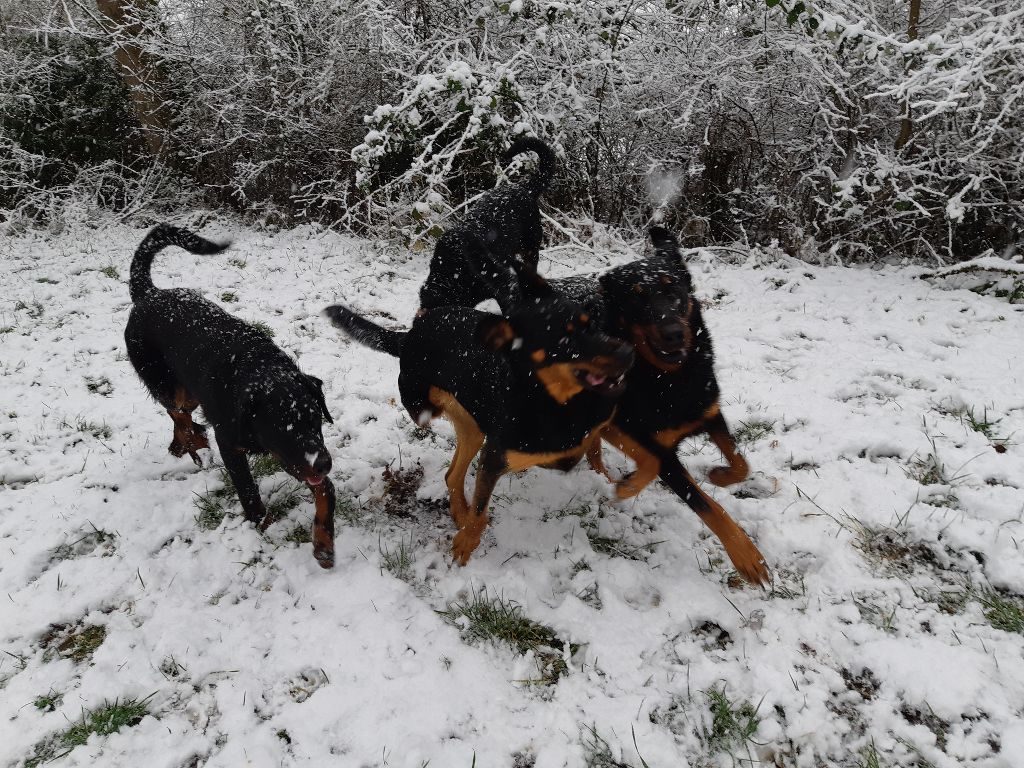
column 602, row 383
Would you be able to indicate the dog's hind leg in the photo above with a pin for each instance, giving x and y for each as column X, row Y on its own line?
column 720, row 435
column 163, row 385
column 241, row 477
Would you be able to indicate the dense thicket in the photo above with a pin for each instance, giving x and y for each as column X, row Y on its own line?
column 840, row 131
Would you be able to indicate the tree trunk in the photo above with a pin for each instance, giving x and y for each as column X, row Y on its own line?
column 121, row 19
column 907, row 123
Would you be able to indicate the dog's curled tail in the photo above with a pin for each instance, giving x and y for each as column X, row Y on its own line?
column 546, row 156
column 367, row 333
column 159, row 237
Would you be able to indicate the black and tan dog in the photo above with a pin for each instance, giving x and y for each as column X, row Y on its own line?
column 533, row 388
column 503, row 226
column 671, row 391
column 190, row 353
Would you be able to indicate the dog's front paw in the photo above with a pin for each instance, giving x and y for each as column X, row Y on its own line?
column 468, row 539
column 747, row 559
column 627, row 487
column 723, row 476
column 324, row 554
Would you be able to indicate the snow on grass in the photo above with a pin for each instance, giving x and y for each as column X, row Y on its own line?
column 883, row 418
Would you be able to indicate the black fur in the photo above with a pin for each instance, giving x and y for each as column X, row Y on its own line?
column 189, row 352
column 504, row 225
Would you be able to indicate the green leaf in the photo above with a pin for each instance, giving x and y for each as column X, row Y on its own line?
column 794, row 14
column 771, row 3
column 812, row 23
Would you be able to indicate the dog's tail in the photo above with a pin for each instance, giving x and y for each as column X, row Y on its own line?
column 367, row 333
column 663, row 241
column 541, row 178
column 141, row 282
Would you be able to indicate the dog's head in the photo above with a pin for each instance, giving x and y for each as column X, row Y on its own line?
column 286, row 411
column 553, row 337
column 651, row 302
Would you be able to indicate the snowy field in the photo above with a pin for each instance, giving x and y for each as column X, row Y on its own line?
column 883, row 417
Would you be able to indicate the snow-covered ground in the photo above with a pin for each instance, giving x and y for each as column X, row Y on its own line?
column 892, row 521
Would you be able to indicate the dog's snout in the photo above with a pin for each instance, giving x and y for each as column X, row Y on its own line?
column 322, row 463
column 673, row 335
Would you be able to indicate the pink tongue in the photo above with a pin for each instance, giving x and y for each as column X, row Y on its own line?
column 595, row 381
column 315, row 481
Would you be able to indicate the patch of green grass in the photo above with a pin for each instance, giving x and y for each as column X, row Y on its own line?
column 263, row 328
column 615, row 546
column 110, row 271
column 486, row 619
column 597, row 752
column 33, row 310
column 97, row 538
column 348, row 509
column 299, row 534
column 6, row 329
column 733, row 724
column 77, row 643
column 238, row 263
column 399, row 561
column 47, row 280
column 869, row 757
column 983, row 425
column 753, row 430
column 102, row 721
column 212, row 507
column 99, row 385
column 1002, row 612
column 97, row 430
column 229, row 297
column 49, row 701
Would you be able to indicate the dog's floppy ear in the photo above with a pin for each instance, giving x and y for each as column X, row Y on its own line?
column 664, row 242
column 318, row 389
column 495, row 332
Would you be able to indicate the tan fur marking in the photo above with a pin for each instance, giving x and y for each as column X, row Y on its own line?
column 468, row 439
column 647, row 465
column 188, row 436
column 744, row 554
column 323, row 541
column 560, row 381
column 538, row 355
column 517, row 461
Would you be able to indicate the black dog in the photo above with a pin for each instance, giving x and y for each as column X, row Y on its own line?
column 502, row 227
column 533, row 388
column 190, row 353
column 671, row 391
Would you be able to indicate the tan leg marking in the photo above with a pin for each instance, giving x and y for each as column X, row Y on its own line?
column 468, row 439
column 744, row 554
column 720, row 435
column 189, row 437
